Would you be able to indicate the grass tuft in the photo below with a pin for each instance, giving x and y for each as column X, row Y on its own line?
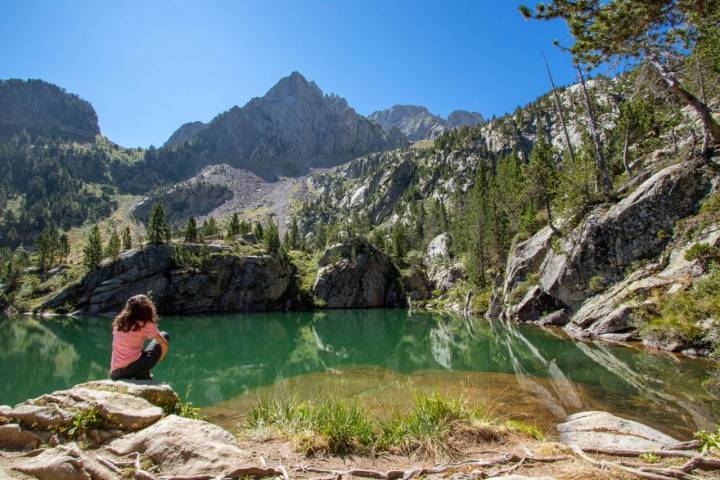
column 432, row 429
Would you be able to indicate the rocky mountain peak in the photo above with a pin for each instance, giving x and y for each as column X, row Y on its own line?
column 294, row 86
column 418, row 123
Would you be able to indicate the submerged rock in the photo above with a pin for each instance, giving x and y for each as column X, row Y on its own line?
column 603, row 430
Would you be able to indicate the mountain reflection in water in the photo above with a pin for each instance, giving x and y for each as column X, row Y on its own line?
column 381, row 358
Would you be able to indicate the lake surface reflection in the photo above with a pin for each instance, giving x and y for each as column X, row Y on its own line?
column 381, row 358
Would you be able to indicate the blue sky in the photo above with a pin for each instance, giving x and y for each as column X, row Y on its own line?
column 149, row 66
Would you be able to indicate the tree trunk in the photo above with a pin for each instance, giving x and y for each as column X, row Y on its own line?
column 626, row 153
column 710, row 125
column 560, row 113
column 603, row 178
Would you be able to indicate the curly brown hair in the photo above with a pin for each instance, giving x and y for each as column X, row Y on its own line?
column 138, row 310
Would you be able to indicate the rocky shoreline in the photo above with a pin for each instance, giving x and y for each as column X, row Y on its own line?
column 110, row 430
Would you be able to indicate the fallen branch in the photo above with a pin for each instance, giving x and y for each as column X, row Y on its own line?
column 415, row 472
column 505, row 471
column 652, row 472
column 636, row 453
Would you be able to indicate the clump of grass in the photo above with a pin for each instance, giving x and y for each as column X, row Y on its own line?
column 335, row 427
column 426, row 430
column 649, row 457
column 432, row 428
column 188, row 410
column 678, row 316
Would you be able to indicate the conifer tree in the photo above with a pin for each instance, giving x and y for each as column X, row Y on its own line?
column 92, row 253
column 293, row 234
column 191, row 233
column 259, row 232
column 233, row 227
column 112, row 249
column 64, row 247
column 660, row 32
column 44, row 248
column 542, row 177
column 271, row 237
column 126, row 238
column 158, row 230
column 321, row 237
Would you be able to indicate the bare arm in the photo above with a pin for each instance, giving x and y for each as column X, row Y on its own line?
column 163, row 345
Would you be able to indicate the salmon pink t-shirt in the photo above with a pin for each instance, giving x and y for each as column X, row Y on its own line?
column 127, row 346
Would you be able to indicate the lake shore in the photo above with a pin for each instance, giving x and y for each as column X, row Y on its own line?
column 110, row 430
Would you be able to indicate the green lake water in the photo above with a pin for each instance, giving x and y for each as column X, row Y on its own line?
column 381, row 358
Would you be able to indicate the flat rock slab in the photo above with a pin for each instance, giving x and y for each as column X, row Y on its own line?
column 603, row 430
column 180, row 446
column 158, row 394
column 115, row 410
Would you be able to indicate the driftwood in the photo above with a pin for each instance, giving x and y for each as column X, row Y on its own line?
column 416, row 472
column 651, row 472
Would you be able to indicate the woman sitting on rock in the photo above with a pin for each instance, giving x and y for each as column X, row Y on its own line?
column 134, row 324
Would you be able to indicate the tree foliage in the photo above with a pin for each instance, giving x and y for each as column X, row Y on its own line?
column 158, row 229
column 93, row 251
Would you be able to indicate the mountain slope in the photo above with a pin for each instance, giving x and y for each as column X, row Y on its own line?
column 41, row 108
column 417, row 123
column 292, row 128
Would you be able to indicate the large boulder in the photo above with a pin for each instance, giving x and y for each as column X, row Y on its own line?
column 613, row 310
column 180, row 446
column 355, row 274
column 182, row 279
column 438, row 249
column 100, row 409
column 610, row 239
column 602, row 430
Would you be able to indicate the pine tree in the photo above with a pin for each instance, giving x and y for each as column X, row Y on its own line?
column 112, row 249
column 293, row 234
column 398, row 240
column 191, row 233
column 64, row 247
column 259, row 232
column 271, row 237
column 233, row 227
column 158, row 230
column 126, row 238
column 658, row 31
column 321, row 237
column 92, row 254
column 542, row 177
column 44, row 248
column 245, row 228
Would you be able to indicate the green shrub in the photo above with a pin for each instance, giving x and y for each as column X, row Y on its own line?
column 709, row 440
column 705, row 254
column 81, row 423
column 521, row 289
column 597, row 284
